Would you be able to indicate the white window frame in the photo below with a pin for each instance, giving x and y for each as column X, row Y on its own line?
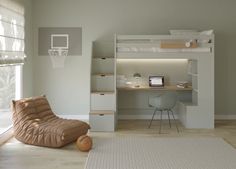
column 19, row 82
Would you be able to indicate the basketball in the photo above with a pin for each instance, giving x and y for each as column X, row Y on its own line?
column 84, row 143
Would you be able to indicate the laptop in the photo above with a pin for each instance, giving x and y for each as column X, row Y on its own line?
column 156, row 81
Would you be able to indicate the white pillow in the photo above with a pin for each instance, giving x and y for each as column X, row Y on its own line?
column 207, row 32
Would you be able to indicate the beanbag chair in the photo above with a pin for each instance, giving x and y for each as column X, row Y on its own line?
column 34, row 123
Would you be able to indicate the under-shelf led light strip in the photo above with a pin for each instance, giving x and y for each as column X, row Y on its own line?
column 152, row 60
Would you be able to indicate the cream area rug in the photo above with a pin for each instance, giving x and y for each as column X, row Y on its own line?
column 161, row 153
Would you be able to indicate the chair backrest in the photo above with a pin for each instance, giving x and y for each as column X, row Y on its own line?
column 30, row 110
column 165, row 101
column 168, row 100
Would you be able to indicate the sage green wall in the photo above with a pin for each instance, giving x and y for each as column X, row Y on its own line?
column 28, row 66
column 68, row 88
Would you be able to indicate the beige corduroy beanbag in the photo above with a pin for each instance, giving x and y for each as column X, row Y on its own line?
column 34, row 123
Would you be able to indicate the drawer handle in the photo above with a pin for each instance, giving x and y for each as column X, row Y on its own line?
column 101, row 114
column 102, row 94
column 102, row 75
column 103, row 58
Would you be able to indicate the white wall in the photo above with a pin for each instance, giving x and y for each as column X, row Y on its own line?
column 68, row 88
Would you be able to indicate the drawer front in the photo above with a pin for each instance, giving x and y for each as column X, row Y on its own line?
column 103, row 65
column 102, row 101
column 102, row 122
column 103, row 83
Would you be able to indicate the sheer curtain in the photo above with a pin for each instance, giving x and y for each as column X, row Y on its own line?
column 11, row 32
column 12, row 56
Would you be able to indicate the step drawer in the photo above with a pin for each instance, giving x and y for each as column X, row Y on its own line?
column 102, row 121
column 102, row 82
column 103, row 65
column 103, row 101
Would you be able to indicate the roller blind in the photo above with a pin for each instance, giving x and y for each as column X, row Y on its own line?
column 12, row 33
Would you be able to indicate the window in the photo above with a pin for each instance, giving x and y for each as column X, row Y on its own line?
column 10, row 89
column 12, row 55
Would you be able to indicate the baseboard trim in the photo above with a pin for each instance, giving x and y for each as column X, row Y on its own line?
column 148, row 117
column 77, row 117
column 7, row 135
column 142, row 117
column 225, row 117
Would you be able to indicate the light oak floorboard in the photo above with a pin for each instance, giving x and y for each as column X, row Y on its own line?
column 15, row 155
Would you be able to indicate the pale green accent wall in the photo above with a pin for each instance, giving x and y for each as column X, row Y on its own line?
column 68, row 88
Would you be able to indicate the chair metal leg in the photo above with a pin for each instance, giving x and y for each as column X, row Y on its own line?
column 169, row 118
column 152, row 118
column 175, row 121
column 160, row 123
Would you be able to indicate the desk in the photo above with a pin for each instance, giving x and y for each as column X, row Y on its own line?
column 165, row 88
column 132, row 103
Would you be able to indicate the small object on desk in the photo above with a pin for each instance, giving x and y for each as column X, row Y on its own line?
column 137, row 80
column 182, row 84
column 156, row 81
column 137, row 75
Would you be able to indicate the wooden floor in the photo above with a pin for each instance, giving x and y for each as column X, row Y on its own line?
column 15, row 155
column 6, row 120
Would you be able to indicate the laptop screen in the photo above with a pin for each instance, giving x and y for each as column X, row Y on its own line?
column 156, row 81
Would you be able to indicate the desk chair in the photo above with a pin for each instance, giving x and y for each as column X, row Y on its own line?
column 164, row 102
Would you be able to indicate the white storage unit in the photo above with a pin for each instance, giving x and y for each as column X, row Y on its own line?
column 103, row 88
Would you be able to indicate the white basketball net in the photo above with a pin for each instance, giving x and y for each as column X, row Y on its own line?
column 58, row 57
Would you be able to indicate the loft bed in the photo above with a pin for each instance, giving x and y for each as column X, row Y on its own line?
column 198, row 49
column 133, row 45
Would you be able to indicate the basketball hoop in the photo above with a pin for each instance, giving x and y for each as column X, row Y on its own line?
column 59, row 49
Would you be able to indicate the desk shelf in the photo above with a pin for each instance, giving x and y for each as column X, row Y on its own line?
column 193, row 72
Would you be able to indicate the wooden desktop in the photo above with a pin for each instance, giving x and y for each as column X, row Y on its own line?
column 165, row 88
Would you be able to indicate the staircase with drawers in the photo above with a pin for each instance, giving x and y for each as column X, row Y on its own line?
column 102, row 115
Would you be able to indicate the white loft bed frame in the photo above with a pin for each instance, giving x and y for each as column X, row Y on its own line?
column 135, row 46
column 200, row 112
